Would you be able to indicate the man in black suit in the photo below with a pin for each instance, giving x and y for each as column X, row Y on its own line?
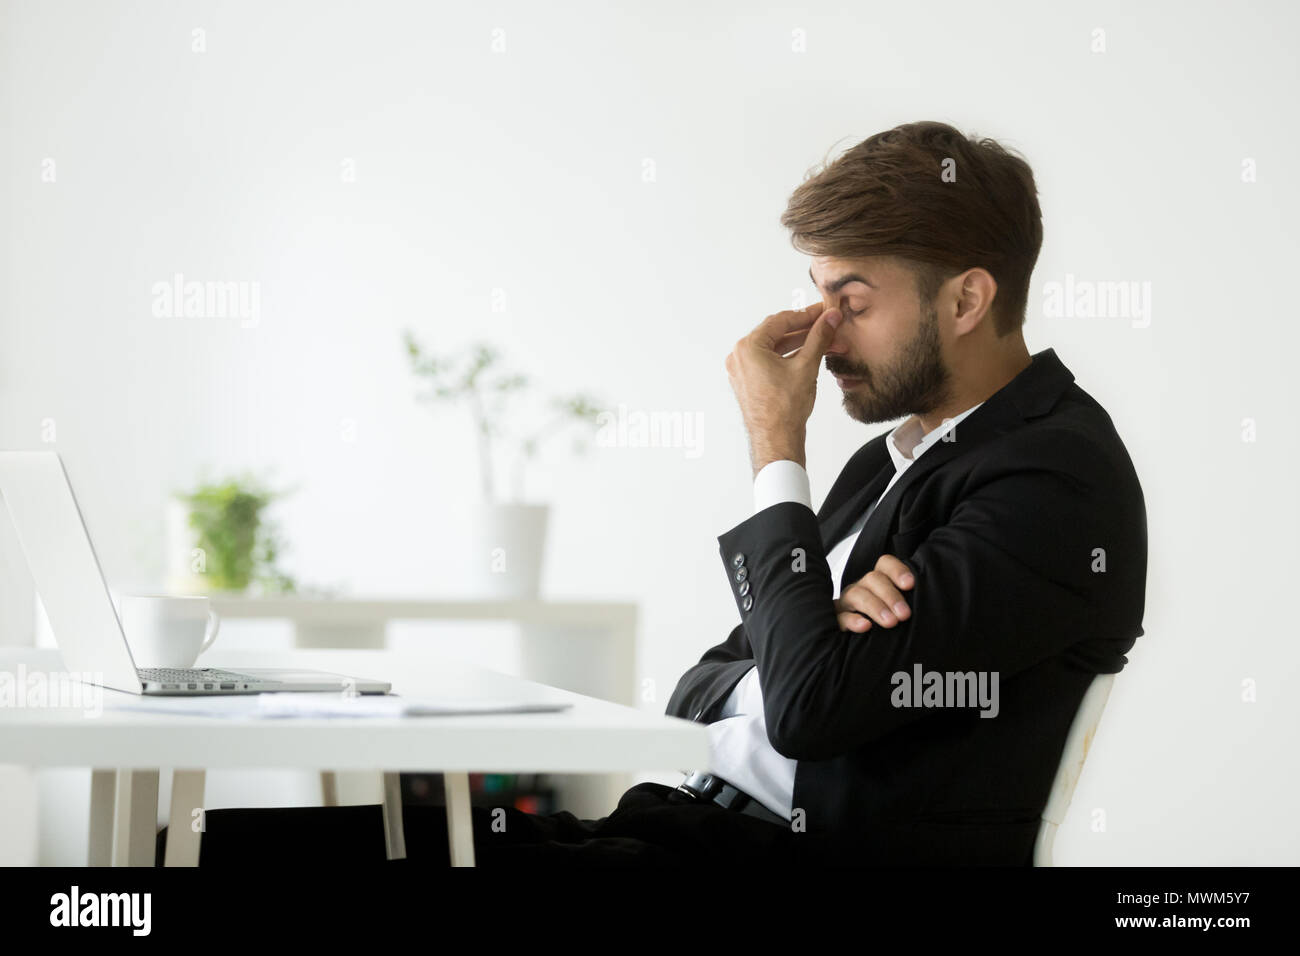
column 910, row 657
column 1022, row 545
column 1019, row 536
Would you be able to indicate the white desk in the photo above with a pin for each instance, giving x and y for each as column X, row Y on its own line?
column 588, row 647
column 128, row 749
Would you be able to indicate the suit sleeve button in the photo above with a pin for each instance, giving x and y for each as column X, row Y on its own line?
column 742, row 574
column 737, row 560
column 744, row 588
column 748, row 602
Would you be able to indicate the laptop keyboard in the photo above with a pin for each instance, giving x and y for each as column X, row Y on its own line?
column 173, row 675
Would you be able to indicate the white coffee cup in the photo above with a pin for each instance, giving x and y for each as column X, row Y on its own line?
column 168, row 630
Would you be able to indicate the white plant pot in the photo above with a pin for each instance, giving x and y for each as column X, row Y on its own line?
column 507, row 543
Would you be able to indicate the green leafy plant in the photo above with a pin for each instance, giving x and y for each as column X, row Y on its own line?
column 240, row 546
column 474, row 378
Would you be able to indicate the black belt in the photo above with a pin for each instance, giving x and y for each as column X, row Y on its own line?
column 706, row 786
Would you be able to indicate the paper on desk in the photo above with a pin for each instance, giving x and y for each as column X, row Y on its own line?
column 296, row 704
column 292, row 704
column 218, row 705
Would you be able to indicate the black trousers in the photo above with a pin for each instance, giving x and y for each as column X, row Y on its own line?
column 653, row 825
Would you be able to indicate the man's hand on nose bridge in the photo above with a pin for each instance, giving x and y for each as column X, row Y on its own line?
column 776, row 391
column 876, row 596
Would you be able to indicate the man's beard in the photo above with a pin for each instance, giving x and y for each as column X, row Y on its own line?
column 918, row 382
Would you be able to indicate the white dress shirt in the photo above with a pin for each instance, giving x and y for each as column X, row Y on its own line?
column 740, row 752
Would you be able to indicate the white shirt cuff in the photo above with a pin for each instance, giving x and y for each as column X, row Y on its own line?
column 779, row 481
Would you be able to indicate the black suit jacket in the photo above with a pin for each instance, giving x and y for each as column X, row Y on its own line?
column 1027, row 538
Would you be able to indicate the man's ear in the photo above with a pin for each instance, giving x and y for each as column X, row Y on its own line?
column 974, row 294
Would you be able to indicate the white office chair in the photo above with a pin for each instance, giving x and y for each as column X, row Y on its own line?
column 1077, row 742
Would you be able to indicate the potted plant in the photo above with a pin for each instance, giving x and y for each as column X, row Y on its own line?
column 508, row 534
column 221, row 541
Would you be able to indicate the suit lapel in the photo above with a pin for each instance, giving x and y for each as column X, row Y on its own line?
column 866, row 478
column 1030, row 394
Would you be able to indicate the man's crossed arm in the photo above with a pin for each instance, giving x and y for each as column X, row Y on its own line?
column 706, row 685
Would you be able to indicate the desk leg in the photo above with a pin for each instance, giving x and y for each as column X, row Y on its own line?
column 135, row 818
column 460, row 821
column 329, row 788
column 348, row 788
column 183, row 841
column 394, row 830
column 103, row 794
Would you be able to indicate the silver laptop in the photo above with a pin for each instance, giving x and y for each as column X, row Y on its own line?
column 38, row 494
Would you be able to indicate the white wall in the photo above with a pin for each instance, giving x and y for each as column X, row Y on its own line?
column 522, row 171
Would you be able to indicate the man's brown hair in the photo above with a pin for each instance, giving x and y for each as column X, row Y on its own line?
column 889, row 196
